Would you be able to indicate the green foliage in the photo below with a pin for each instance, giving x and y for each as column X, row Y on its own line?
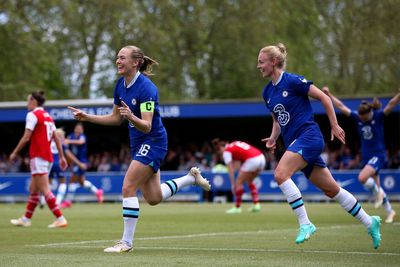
column 206, row 49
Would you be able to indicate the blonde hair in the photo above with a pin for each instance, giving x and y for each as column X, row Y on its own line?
column 277, row 51
column 145, row 62
column 60, row 131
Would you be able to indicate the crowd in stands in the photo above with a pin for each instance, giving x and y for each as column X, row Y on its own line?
column 183, row 157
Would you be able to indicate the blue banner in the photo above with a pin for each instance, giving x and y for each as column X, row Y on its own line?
column 15, row 186
column 185, row 110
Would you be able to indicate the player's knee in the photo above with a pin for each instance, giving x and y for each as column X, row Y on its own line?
column 154, row 201
column 280, row 175
column 362, row 179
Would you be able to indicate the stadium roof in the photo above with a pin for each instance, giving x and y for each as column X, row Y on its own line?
column 16, row 111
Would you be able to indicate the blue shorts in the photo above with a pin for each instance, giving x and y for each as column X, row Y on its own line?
column 151, row 152
column 78, row 171
column 377, row 162
column 56, row 172
column 309, row 145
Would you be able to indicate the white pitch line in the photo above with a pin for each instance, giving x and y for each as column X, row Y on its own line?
column 190, row 236
column 274, row 250
column 259, row 250
column 80, row 243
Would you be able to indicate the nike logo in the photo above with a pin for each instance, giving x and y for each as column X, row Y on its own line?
column 345, row 182
column 273, row 184
column 5, row 185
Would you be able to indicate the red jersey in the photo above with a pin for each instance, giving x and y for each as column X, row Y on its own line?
column 241, row 151
column 42, row 126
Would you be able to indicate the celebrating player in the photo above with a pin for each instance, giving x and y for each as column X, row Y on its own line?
column 252, row 163
column 287, row 98
column 39, row 131
column 369, row 119
column 136, row 100
column 76, row 142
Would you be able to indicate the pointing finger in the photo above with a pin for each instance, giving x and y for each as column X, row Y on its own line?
column 73, row 109
column 124, row 104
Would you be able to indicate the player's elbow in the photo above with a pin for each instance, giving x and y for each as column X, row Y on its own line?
column 147, row 128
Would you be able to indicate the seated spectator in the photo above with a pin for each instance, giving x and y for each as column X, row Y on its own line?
column 115, row 165
column 347, row 159
column 104, row 165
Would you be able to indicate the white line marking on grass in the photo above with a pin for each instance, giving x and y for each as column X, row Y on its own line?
column 82, row 244
column 274, row 250
column 294, row 251
column 190, row 236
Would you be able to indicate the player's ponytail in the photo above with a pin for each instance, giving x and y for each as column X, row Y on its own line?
column 145, row 63
column 39, row 97
column 146, row 66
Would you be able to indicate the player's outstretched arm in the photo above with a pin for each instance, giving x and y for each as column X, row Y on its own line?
column 111, row 119
column 336, row 130
column 337, row 102
column 392, row 104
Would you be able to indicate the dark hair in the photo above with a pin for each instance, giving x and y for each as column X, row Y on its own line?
column 217, row 143
column 39, row 97
column 366, row 107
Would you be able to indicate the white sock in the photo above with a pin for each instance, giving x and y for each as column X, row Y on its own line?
column 386, row 203
column 71, row 191
column 351, row 205
column 371, row 186
column 42, row 201
column 130, row 213
column 62, row 188
column 295, row 200
column 171, row 187
column 88, row 185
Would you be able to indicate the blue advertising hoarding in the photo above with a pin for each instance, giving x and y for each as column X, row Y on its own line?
column 215, row 109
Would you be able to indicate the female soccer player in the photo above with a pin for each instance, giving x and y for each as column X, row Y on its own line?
column 39, row 131
column 369, row 119
column 136, row 100
column 56, row 172
column 76, row 142
column 252, row 163
column 286, row 96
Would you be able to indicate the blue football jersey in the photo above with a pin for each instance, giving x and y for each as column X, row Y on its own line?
column 141, row 92
column 288, row 101
column 78, row 150
column 371, row 134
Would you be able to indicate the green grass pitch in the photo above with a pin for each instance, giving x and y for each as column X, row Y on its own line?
column 193, row 234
